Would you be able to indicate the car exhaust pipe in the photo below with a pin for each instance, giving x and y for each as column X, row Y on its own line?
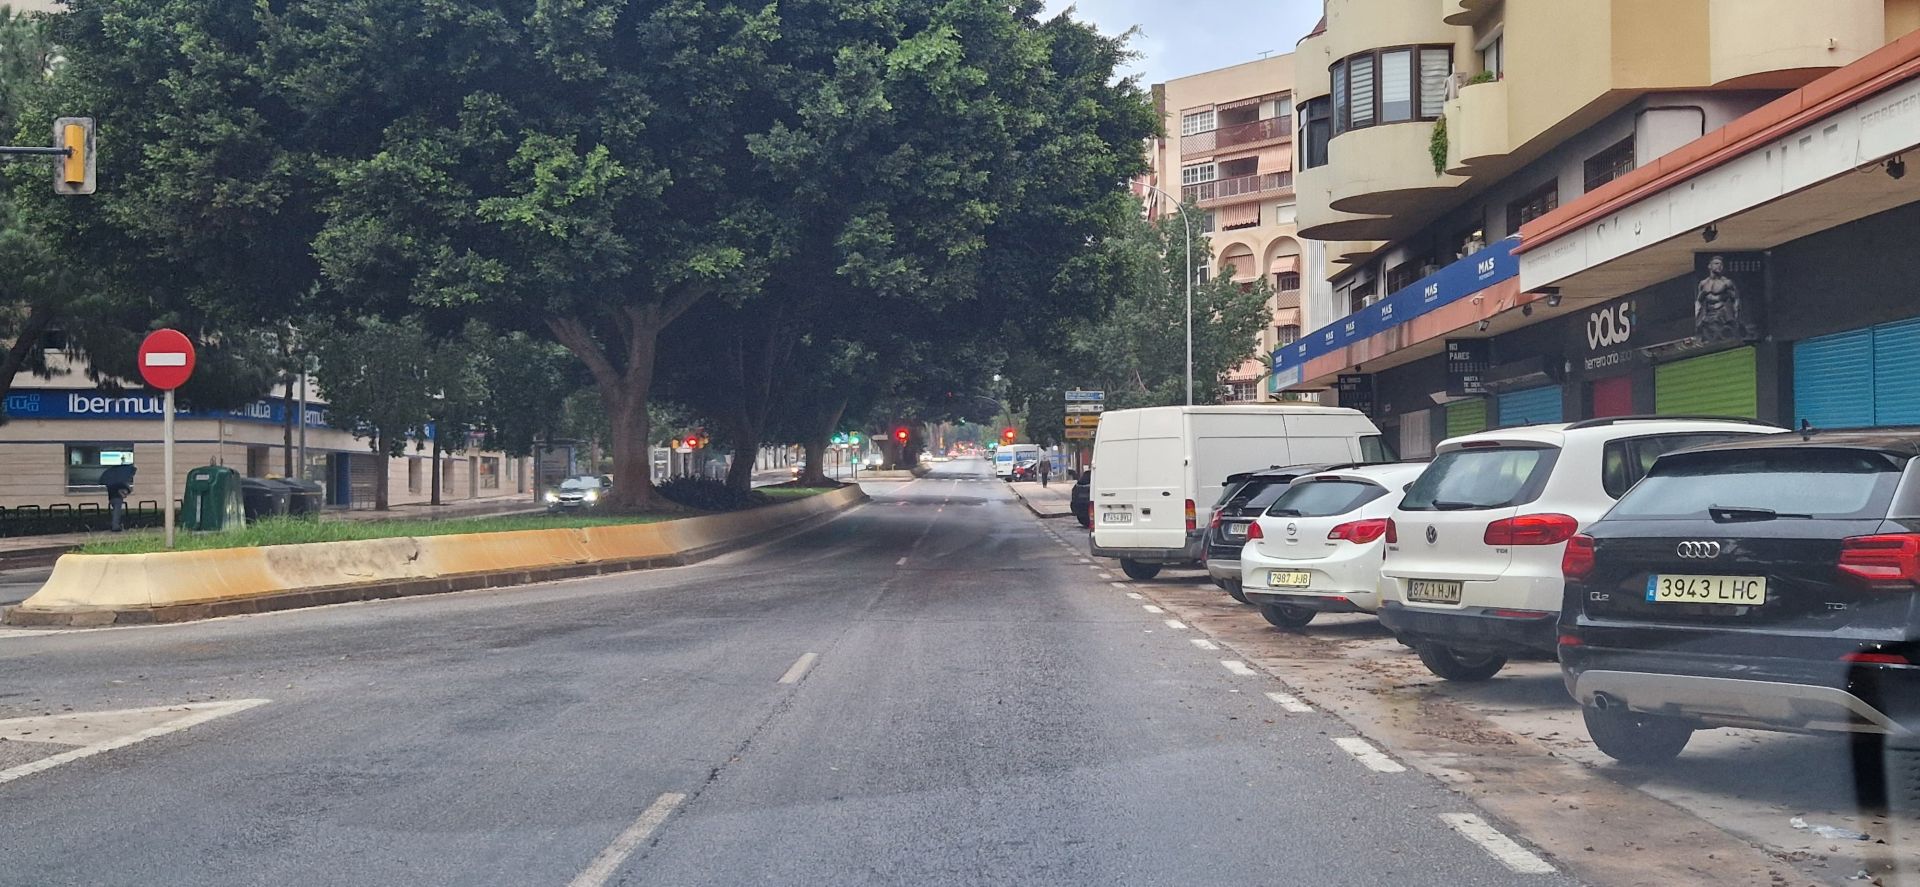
column 1603, row 702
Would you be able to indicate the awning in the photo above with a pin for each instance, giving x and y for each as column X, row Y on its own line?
column 1242, row 103
column 1286, row 264
column 1276, row 159
column 1240, row 215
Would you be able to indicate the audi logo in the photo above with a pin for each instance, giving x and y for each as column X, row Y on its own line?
column 1698, row 551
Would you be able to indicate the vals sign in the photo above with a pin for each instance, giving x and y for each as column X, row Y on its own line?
column 1610, row 326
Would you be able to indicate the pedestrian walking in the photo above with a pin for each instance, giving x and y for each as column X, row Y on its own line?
column 1046, row 469
column 119, row 483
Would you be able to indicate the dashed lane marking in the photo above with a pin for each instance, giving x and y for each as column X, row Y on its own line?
column 1152, row 609
column 1106, row 575
column 1501, row 847
column 1205, row 644
column 1237, row 667
column 1364, row 752
column 1135, row 595
column 799, row 669
column 1176, row 624
column 900, row 563
column 1118, row 584
column 1290, row 703
column 608, row 862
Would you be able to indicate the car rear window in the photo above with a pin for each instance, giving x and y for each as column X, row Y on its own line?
column 1324, row 498
column 1818, row 483
column 1481, row 477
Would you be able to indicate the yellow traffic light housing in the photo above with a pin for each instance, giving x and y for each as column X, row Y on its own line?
column 74, row 170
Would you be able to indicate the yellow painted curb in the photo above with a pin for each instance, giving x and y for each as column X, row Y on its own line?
column 87, row 583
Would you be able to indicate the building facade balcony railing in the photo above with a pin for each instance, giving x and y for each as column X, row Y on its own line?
column 1226, row 137
column 1242, row 186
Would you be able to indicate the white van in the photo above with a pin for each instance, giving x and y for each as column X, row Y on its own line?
column 1011, row 455
column 1158, row 465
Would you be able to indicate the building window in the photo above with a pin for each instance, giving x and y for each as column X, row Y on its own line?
column 1316, row 129
column 1490, row 56
column 1204, row 274
column 413, row 474
column 1286, row 335
column 85, row 462
column 1360, row 297
column 259, row 461
column 1198, row 174
column 1207, row 222
column 1277, row 108
column 1198, row 122
column 1243, row 392
column 489, row 473
column 1543, row 200
column 1403, row 275
column 1286, row 281
column 1610, row 164
column 1390, row 86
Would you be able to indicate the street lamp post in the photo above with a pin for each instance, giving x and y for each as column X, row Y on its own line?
column 1188, row 224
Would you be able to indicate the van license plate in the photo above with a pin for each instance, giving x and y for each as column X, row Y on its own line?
column 1431, row 591
column 1732, row 591
column 1116, row 517
column 1277, row 579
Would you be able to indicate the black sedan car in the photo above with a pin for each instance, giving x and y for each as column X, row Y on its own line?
column 1772, row 584
column 1243, row 497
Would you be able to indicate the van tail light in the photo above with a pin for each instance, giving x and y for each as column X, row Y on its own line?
column 1532, row 529
column 1876, row 659
column 1577, row 562
column 1890, row 562
column 1192, row 520
column 1360, row 532
column 1254, row 531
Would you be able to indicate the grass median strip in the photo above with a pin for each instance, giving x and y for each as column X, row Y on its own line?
column 294, row 532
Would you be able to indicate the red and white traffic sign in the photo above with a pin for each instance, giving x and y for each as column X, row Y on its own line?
column 166, row 359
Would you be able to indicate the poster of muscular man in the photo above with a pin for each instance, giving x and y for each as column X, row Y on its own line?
column 1730, row 296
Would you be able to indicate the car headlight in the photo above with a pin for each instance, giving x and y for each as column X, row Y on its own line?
column 592, row 496
column 552, row 497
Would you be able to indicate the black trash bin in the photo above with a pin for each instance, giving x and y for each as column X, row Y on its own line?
column 263, row 497
column 305, row 498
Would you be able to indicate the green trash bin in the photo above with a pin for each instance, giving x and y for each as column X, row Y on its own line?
column 213, row 500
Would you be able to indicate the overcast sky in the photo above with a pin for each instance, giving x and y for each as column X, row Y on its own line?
column 1181, row 37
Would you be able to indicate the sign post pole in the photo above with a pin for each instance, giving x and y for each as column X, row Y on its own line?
column 166, row 466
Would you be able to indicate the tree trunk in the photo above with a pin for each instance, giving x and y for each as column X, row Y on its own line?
column 746, row 458
column 436, row 467
column 380, row 481
column 286, row 428
column 815, row 474
column 35, row 326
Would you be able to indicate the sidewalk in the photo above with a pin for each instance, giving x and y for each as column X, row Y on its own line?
column 1053, row 500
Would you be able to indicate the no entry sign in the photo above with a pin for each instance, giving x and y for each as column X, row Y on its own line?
column 166, row 359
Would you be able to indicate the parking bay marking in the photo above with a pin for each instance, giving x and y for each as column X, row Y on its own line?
column 1499, row 846
column 1237, row 667
column 1364, row 752
column 799, row 669
column 1152, row 609
column 609, row 860
column 1120, row 585
column 1133, row 594
column 1176, row 624
column 1205, row 644
column 1290, row 703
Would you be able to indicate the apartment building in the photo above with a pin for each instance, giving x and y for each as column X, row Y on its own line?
column 1229, row 149
column 1522, row 211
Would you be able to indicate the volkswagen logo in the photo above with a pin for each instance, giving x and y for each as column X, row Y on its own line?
column 1433, row 535
column 1698, row 551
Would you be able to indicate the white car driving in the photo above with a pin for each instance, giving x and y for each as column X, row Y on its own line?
column 1472, row 572
column 1318, row 547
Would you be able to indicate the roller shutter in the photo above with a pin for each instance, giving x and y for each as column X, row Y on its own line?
column 1715, row 385
column 1534, row 406
column 1831, row 380
column 1466, row 417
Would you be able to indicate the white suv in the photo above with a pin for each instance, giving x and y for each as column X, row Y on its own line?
column 1317, row 548
column 1472, row 573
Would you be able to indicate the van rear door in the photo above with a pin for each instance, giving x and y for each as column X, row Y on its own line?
column 1138, row 500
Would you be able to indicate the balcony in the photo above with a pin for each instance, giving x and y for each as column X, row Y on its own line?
column 1477, row 126
column 1226, row 138
column 1465, row 12
column 1225, row 191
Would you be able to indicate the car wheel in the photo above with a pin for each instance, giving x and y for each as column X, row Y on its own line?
column 1632, row 737
column 1462, row 667
column 1086, row 523
column 1235, row 590
column 1284, row 616
column 1138, row 570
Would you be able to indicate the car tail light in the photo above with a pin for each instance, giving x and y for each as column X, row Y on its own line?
column 1578, row 561
column 1254, row 531
column 1571, row 640
column 1215, row 523
column 1532, row 529
column 1192, row 522
column 1876, row 659
column 1360, row 532
column 1888, row 562
column 1393, row 532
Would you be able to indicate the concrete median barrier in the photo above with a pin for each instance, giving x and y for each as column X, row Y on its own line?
column 105, row 589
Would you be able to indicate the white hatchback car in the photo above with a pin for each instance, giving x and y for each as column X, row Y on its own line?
column 1317, row 548
column 1472, row 573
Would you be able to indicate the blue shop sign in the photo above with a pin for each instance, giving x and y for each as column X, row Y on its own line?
column 1457, row 281
column 97, row 404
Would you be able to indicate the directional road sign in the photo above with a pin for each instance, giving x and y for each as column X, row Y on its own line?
column 1080, row 433
column 1078, row 396
column 1083, row 420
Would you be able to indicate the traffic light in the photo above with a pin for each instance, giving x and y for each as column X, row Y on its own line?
column 73, row 173
column 900, row 435
column 1008, row 435
column 854, row 438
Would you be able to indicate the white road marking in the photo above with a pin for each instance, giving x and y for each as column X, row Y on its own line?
column 1152, row 609
column 1501, row 847
column 609, row 860
column 1290, row 703
column 1364, row 752
column 1118, row 584
column 1135, row 595
column 191, row 714
column 1237, row 667
column 1176, row 624
column 1085, row 561
column 799, row 669
column 1106, row 575
column 900, row 563
column 1205, row 644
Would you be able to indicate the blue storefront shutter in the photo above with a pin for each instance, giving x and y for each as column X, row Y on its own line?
column 1534, row 406
column 1896, row 358
column 1832, row 380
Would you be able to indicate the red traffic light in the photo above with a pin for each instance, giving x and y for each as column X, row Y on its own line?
column 1008, row 435
column 900, row 434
